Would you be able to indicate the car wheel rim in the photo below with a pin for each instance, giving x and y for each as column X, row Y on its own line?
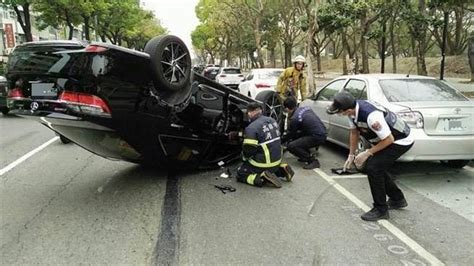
column 174, row 62
column 273, row 107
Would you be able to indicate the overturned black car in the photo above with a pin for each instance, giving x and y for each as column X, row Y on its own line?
column 143, row 107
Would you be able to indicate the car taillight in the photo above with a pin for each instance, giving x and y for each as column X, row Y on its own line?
column 85, row 103
column 413, row 119
column 95, row 49
column 262, row 85
column 15, row 93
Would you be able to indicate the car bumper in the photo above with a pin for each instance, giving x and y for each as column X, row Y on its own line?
column 429, row 148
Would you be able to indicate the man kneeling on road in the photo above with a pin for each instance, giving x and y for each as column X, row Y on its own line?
column 305, row 131
column 390, row 139
column 262, row 151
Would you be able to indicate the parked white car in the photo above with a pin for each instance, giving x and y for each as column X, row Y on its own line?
column 230, row 76
column 440, row 117
column 260, row 79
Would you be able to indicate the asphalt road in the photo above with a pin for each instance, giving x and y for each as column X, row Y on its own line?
column 64, row 205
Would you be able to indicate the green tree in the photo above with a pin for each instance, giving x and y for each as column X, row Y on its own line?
column 58, row 13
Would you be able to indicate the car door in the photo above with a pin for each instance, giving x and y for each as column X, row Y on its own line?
column 340, row 124
column 322, row 100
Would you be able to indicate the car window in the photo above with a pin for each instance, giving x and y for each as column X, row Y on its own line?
column 419, row 90
column 231, row 71
column 269, row 74
column 328, row 92
column 357, row 88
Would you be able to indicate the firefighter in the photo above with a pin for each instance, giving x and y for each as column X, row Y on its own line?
column 390, row 139
column 292, row 80
column 305, row 131
column 262, row 151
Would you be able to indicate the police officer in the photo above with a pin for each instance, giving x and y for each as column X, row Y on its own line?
column 262, row 151
column 390, row 138
column 305, row 131
column 292, row 80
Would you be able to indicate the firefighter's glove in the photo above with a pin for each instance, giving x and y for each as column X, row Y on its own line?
column 361, row 158
column 233, row 135
column 348, row 163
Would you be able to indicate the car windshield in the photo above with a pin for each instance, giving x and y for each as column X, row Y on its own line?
column 231, row 71
column 419, row 90
column 269, row 74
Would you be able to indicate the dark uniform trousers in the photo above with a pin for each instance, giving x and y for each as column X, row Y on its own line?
column 301, row 147
column 381, row 184
column 250, row 174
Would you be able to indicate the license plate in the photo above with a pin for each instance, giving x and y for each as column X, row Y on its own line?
column 43, row 90
column 453, row 124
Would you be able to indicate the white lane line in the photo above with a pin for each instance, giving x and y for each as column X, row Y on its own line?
column 347, row 176
column 467, row 167
column 26, row 156
column 388, row 225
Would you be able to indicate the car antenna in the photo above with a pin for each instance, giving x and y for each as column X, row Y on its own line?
column 409, row 71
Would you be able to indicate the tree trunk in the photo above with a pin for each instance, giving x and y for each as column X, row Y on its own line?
column 344, row 53
column 393, row 44
column 364, row 43
column 287, row 47
column 273, row 57
column 470, row 55
column 87, row 28
column 71, row 31
column 26, row 23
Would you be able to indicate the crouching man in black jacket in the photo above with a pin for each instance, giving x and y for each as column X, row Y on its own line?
column 305, row 131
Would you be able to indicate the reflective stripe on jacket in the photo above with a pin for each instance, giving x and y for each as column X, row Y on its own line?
column 262, row 144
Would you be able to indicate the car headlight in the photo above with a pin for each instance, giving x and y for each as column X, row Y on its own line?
column 413, row 119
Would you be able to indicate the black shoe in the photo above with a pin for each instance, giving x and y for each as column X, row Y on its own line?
column 289, row 173
column 271, row 178
column 397, row 204
column 301, row 160
column 374, row 215
column 312, row 165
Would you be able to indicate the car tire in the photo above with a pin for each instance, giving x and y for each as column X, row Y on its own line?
column 456, row 163
column 171, row 69
column 272, row 105
column 64, row 140
column 5, row 111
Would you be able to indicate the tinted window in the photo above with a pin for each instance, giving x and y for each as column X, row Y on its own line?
column 231, row 71
column 418, row 90
column 357, row 88
column 328, row 92
column 270, row 74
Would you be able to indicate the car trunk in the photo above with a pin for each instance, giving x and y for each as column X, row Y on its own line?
column 36, row 67
column 451, row 118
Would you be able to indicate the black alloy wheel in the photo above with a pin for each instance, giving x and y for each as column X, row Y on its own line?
column 272, row 105
column 171, row 70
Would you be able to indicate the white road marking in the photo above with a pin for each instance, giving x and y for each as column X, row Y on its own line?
column 26, row 156
column 467, row 167
column 347, row 176
column 388, row 225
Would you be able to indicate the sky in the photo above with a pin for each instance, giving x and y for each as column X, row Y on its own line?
column 177, row 16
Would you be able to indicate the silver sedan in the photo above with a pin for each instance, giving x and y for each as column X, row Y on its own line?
column 440, row 117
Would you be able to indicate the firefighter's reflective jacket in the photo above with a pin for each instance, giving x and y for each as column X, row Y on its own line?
column 291, row 82
column 398, row 127
column 262, row 144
